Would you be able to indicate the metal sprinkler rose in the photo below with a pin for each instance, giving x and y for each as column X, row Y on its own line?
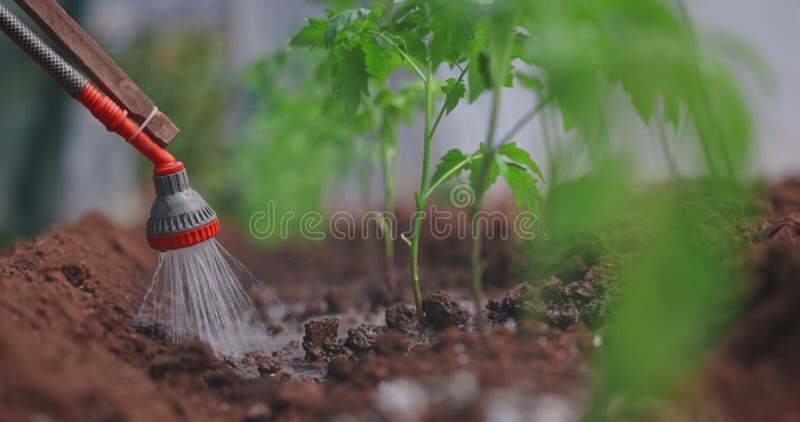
column 196, row 289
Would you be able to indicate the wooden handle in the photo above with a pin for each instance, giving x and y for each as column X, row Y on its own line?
column 91, row 59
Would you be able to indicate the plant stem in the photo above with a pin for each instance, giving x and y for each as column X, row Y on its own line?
column 447, row 175
column 444, row 105
column 524, row 121
column 415, row 262
column 475, row 255
column 662, row 138
column 423, row 187
column 387, row 158
column 687, row 19
column 553, row 163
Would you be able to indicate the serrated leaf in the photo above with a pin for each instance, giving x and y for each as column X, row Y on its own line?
column 340, row 21
column 501, row 30
column 672, row 110
column 523, row 186
column 520, row 48
column 454, row 91
column 379, row 61
column 448, row 162
column 479, row 76
column 413, row 44
column 501, row 164
column 645, row 104
column 350, row 80
column 530, row 82
column 452, row 23
column 403, row 10
column 491, row 174
column 522, row 157
column 312, row 35
column 568, row 118
column 509, row 79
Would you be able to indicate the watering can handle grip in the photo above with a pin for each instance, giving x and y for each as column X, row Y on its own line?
column 101, row 68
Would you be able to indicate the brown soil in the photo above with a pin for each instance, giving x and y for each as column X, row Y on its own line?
column 754, row 374
column 68, row 349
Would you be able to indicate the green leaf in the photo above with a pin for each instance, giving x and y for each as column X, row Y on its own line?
column 479, row 76
column 402, row 10
column 522, row 185
column 522, row 157
column 350, row 80
column 339, row 21
column 413, row 43
column 501, row 30
column 312, row 35
column 454, row 91
column 448, row 162
column 672, row 110
column 452, row 23
column 520, row 48
column 501, row 164
column 491, row 174
column 644, row 103
column 531, row 82
column 568, row 117
column 379, row 61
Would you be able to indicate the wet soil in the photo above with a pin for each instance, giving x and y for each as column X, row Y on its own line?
column 69, row 351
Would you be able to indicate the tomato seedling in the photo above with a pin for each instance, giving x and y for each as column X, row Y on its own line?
column 367, row 45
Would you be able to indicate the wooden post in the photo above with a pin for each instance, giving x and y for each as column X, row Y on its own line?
column 101, row 69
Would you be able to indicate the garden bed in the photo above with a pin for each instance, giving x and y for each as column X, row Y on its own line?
column 69, row 350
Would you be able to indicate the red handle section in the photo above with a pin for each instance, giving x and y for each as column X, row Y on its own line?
column 116, row 120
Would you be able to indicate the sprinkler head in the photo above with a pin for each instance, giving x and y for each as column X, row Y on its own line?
column 179, row 217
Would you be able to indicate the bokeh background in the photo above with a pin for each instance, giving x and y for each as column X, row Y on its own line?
column 195, row 59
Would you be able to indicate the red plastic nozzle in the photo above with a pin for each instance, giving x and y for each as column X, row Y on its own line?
column 183, row 239
column 116, row 120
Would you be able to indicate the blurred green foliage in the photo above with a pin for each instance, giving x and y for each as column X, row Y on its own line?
column 293, row 148
column 678, row 294
column 647, row 48
column 183, row 73
column 671, row 253
column 33, row 115
column 675, row 247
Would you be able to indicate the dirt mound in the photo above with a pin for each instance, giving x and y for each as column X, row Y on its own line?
column 442, row 312
column 587, row 300
column 68, row 350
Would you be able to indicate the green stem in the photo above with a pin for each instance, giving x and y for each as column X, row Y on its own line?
column 446, row 176
column 524, row 121
column 704, row 135
column 478, row 265
column 415, row 263
column 423, row 187
column 553, row 162
column 475, row 255
column 671, row 164
column 387, row 158
column 444, row 105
